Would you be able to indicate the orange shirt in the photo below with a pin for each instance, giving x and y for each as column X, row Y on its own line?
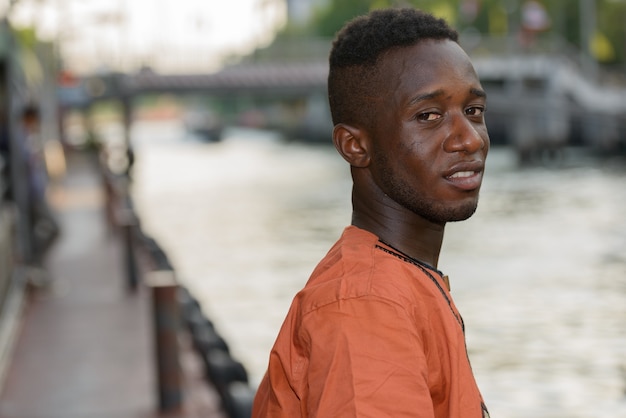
column 372, row 334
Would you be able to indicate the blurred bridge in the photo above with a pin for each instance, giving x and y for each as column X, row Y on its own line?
column 270, row 79
column 293, row 79
column 300, row 88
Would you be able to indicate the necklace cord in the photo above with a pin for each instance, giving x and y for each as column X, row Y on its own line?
column 426, row 269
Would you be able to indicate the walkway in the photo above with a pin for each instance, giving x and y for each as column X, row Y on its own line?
column 84, row 348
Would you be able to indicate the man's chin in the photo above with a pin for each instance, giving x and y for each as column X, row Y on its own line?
column 463, row 215
column 455, row 214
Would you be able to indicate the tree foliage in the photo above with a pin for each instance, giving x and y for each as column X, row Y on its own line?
column 489, row 18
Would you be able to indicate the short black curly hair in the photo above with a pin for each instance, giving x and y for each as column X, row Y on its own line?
column 357, row 48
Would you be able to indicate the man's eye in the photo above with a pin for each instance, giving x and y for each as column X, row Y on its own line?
column 428, row 116
column 475, row 111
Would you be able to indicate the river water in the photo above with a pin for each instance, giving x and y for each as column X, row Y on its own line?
column 539, row 272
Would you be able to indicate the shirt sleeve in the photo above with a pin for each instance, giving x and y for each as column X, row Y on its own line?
column 365, row 359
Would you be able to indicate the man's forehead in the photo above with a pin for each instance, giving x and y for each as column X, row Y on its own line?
column 427, row 51
column 428, row 59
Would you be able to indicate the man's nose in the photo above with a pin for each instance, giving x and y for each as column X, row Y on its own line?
column 466, row 136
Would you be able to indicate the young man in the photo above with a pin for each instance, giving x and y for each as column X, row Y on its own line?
column 375, row 333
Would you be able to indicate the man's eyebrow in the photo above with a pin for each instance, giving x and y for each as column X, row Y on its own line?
column 478, row 92
column 426, row 96
column 434, row 94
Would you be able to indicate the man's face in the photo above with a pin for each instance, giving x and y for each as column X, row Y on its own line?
column 429, row 140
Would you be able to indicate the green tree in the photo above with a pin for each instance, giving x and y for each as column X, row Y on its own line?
column 329, row 19
column 497, row 18
column 612, row 24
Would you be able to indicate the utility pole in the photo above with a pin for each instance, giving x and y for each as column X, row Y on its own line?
column 512, row 9
column 587, row 12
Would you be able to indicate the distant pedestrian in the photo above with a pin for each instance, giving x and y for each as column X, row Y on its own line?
column 375, row 332
column 44, row 227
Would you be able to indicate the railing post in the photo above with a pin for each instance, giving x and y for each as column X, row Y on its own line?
column 166, row 318
column 127, row 221
column 128, row 225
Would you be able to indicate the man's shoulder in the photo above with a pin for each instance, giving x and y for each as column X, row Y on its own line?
column 351, row 256
column 352, row 249
column 356, row 267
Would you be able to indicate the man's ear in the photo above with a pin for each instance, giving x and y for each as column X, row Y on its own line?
column 352, row 143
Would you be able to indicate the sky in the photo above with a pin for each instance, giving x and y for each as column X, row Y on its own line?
column 170, row 36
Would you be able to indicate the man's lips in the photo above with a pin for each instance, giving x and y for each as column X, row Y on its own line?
column 466, row 176
column 462, row 174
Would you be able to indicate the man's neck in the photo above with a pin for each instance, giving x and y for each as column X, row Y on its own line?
column 396, row 225
column 413, row 236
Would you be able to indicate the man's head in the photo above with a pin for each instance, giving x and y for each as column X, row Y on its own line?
column 408, row 112
column 353, row 80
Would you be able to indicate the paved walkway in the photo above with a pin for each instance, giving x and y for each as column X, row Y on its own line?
column 84, row 348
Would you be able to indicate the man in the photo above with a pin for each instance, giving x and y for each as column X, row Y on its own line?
column 375, row 333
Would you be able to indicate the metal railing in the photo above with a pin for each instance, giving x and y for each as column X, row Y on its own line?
column 176, row 313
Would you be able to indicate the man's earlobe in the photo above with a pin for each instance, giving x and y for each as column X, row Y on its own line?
column 352, row 144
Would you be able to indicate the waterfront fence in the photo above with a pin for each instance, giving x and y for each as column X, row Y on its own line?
column 177, row 314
